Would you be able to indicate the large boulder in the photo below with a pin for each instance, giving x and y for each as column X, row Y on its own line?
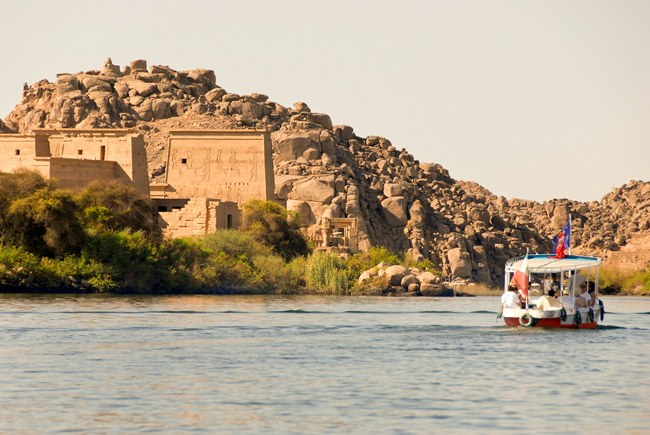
column 560, row 216
column 160, row 109
column 215, row 94
column 435, row 290
column 302, row 209
column 460, row 262
column 395, row 274
column 248, row 109
column 321, row 119
column 408, row 280
column 327, row 143
column 204, row 76
column 393, row 189
column 394, row 209
column 427, row 278
column 94, row 83
column 292, row 146
column 478, row 213
column 142, row 88
column 312, row 190
column 67, row 83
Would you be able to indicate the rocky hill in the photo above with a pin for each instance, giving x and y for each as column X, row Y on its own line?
column 328, row 170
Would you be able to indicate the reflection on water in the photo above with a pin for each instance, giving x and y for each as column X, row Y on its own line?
column 313, row 364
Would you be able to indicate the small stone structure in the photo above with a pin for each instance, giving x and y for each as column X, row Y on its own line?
column 210, row 173
column 108, row 69
column 339, row 234
column 74, row 157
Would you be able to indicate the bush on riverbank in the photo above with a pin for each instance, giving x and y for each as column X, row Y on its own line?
column 106, row 238
column 326, row 274
column 252, row 264
column 617, row 281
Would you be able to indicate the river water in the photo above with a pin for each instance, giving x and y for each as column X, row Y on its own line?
column 305, row 364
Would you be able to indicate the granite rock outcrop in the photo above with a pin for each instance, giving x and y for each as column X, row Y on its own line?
column 328, row 170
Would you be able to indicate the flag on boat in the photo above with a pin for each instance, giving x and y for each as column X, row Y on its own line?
column 520, row 278
column 562, row 241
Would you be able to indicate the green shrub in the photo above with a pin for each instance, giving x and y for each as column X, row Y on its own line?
column 234, row 243
column 20, row 184
column 273, row 225
column 362, row 261
column 617, row 281
column 422, row 265
column 45, row 223
column 131, row 257
column 19, row 267
column 116, row 206
column 251, row 264
column 326, row 274
column 73, row 269
column 372, row 287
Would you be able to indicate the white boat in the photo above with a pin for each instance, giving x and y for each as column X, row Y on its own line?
column 564, row 273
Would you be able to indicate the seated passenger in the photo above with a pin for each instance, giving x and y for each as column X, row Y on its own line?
column 549, row 302
column 511, row 298
column 584, row 300
column 567, row 301
column 592, row 294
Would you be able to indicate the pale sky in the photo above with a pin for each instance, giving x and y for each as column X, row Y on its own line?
column 531, row 99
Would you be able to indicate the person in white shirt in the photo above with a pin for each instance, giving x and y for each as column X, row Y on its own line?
column 511, row 298
column 548, row 302
column 592, row 293
column 584, row 294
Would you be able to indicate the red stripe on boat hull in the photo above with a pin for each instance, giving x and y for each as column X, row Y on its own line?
column 550, row 323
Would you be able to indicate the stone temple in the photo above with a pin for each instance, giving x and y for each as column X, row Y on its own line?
column 210, row 173
column 74, row 157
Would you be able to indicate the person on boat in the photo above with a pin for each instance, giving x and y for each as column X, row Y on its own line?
column 551, row 282
column 584, row 300
column 512, row 298
column 592, row 293
column 548, row 302
column 567, row 300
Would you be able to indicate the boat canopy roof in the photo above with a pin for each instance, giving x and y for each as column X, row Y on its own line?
column 547, row 263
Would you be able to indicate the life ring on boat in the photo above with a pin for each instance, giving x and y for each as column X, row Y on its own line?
column 602, row 310
column 563, row 314
column 527, row 320
column 590, row 315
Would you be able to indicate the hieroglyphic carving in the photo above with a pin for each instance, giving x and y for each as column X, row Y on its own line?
column 190, row 162
column 217, row 160
column 204, row 166
column 173, row 159
column 254, row 164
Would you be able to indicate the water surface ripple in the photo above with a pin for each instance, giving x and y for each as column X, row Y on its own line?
column 254, row 364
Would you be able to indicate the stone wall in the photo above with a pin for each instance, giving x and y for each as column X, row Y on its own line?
column 214, row 172
column 117, row 145
column 225, row 164
column 75, row 173
column 19, row 151
column 76, row 156
column 196, row 216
